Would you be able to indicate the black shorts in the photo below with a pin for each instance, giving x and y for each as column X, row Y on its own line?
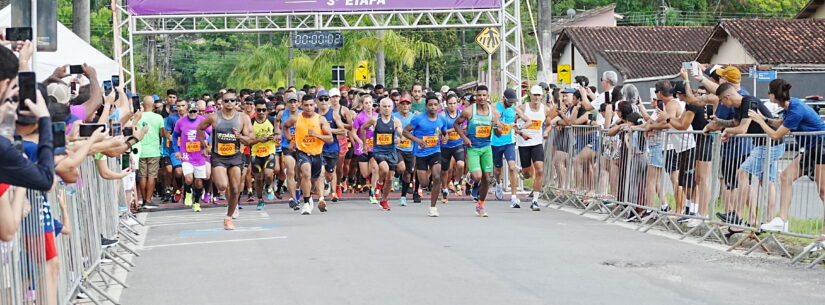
column 530, row 154
column 350, row 154
column 671, row 160
column 286, row 152
column 409, row 160
column 329, row 160
column 456, row 153
column 704, row 148
column 313, row 160
column 227, row 162
column 365, row 157
column 687, row 168
column 812, row 157
column 259, row 164
column 247, row 160
column 165, row 161
column 730, row 166
column 390, row 157
column 427, row 162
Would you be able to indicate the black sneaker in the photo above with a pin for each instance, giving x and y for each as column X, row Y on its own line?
column 727, row 216
column 416, row 198
column 107, row 243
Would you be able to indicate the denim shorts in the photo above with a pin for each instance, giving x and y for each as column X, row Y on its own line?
column 656, row 156
column 754, row 163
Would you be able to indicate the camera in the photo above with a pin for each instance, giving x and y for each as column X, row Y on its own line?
column 582, row 80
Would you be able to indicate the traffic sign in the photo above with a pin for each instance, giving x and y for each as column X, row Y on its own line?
column 765, row 76
column 362, row 72
column 489, row 39
column 564, row 74
column 338, row 75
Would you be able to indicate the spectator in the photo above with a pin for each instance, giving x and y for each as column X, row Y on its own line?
column 149, row 164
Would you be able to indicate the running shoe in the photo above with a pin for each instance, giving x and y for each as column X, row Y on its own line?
column 227, row 224
column 480, row 211
column 177, row 196
column 307, row 209
column 196, row 207
column 444, row 194
column 695, row 222
column 326, row 188
column 187, row 201
column 433, row 212
column 270, row 194
column 222, row 196
column 535, row 206
column 294, row 204
column 337, row 192
column 207, row 198
column 298, row 195
column 475, row 190
column 499, row 191
column 240, row 207
column 261, row 204
column 236, row 214
column 402, row 201
column 373, row 200
column 396, row 184
column 250, row 199
column 417, row 198
column 514, row 203
column 322, row 205
column 335, row 198
column 385, row 205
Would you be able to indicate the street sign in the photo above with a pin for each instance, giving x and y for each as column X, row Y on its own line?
column 326, row 40
column 564, row 74
column 339, row 76
column 765, row 76
column 489, row 39
column 362, row 72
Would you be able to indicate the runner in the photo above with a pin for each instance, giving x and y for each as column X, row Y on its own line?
column 288, row 135
column 406, row 158
column 425, row 130
column 263, row 152
column 532, row 118
column 344, row 145
column 452, row 147
column 229, row 130
column 329, row 158
column 481, row 118
column 190, row 152
column 385, row 137
column 248, row 110
column 504, row 148
column 311, row 133
column 364, row 148
column 172, row 165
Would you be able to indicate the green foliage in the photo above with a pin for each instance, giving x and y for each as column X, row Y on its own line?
column 154, row 82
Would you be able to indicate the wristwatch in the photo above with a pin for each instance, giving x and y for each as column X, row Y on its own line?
column 667, row 121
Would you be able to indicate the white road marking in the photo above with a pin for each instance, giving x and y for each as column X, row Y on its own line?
column 213, row 242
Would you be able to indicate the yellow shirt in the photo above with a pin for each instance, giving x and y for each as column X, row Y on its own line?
column 304, row 142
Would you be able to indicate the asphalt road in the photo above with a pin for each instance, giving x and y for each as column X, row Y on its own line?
column 359, row 254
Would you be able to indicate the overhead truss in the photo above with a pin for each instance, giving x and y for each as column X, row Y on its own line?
column 506, row 19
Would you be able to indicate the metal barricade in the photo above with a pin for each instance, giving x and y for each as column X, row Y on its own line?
column 83, row 213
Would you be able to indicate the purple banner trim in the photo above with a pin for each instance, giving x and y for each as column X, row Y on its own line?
column 167, row 7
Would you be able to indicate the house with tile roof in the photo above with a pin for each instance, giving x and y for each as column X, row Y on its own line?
column 815, row 9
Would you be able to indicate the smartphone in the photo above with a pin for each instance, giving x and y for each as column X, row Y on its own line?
column 18, row 34
column 127, row 131
column 73, row 87
column 75, row 69
column 709, row 110
column 59, row 137
column 652, row 93
column 136, row 103
column 107, row 87
column 660, row 104
column 115, row 130
column 115, row 80
column 590, row 116
column 86, row 130
column 755, row 106
column 688, row 66
column 28, row 88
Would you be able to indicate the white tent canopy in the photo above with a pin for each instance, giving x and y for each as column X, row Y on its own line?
column 71, row 50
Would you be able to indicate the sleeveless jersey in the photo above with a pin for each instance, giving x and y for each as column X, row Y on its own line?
column 334, row 146
column 304, row 142
column 534, row 128
column 480, row 128
column 225, row 143
column 384, row 135
column 508, row 117
column 263, row 130
column 404, row 144
column 453, row 139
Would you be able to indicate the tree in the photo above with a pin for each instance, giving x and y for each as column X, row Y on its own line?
column 400, row 51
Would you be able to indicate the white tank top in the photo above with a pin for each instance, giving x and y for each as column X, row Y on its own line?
column 534, row 128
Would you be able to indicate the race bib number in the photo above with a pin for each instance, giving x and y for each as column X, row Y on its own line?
column 405, row 143
column 310, row 140
column 369, row 143
column 291, row 137
column 277, row 142
column 384, row 138
column 430, row 141
column 534, row 125
column 262, row 150
column 453, row 135
column 483, row 131
column 226, row 149
column 193, row 146
column 505, row 129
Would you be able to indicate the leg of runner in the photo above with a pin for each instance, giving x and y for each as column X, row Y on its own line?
column 364, row 169
column 513, row 175
column 290, row 173
column 405, row 170
column 258, row 185
column 385, row 175
column 538, row 181
column 306, row 185
column 220, row 179
column 269, row 178
column 377, row 184
column 188, row 180
column 235, row 182
column 435, row 171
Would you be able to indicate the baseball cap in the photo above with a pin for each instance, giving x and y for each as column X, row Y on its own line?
column 544, row 86
column 210, row 109
column 730, row 74
column 404, row 99
column 536, row 90
column 192, row 107
column 155, row 97
column 510, row 95
column 323, row 93
column 60, row 92
column 334, row 92
column 292, row 96
column 445, row 88
column 344, row 88
column 568, row 90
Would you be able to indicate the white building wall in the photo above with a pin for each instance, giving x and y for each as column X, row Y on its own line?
column 732, row 52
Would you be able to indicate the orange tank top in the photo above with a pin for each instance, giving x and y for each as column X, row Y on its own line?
column 306, row 143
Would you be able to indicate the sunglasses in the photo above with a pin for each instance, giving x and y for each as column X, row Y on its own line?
column 193, row 111
column 261, row 109
column 324, row 99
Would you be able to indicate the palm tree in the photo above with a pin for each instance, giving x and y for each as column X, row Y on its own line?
column 400, row 51
column 268, row 66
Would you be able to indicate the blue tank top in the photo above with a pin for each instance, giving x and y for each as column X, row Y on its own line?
column 285, row 137
column 331, row 147
column 480, row 129
column 404, row 144
column 508, row 117
column 453, row 139
column 384, row 135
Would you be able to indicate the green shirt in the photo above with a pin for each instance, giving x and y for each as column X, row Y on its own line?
column 419, row 107
column 150, row 145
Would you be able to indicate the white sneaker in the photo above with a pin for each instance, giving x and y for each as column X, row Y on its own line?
column 307, row 209
column 694, row 222
column 515, row 202
column 433, row 212
column 236, row 214
column 326, row 189
column 776, row 224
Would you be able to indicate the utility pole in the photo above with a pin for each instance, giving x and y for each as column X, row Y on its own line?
column 80, row 19
column 290, row 74
column 545, row 28
column 380, row 61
